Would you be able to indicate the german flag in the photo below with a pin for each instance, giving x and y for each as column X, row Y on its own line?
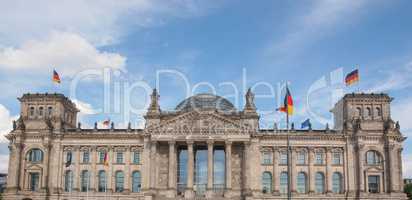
column 56, row 77
column 106, row 159
column 352, row 77
column 287, row 103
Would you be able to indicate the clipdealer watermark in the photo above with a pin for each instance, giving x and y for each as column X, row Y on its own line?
column 121, row 92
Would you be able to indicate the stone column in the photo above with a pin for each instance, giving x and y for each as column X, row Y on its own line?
column 293, row 171
column 228, row 160
column 209, row 168
column 146, row 165
column 246, row 171
column 311, row 175
column 76, row 174
column 153, row 165
column 276, row 178
column 190, row 170
column 172, row 169
column 110, row 174
column 13, row 176
column 328, row 175
column 46, row 170
column 360, row 172
column 94, row 173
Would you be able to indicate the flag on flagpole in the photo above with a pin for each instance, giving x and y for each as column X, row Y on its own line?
column 106, row 159
column 352, row 77
column 56, row 77
column 306, row 123
column 287, row 103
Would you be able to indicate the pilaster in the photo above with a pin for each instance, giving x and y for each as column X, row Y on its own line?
column 210, row 144
column 190, row 171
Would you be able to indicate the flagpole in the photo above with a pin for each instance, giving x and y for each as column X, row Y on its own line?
column 289, row 158
column 288, row 151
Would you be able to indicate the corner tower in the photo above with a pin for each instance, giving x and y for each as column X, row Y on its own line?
column 46, row 111
column 365, row 111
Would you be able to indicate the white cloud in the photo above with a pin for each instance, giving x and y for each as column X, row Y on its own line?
column 99, row 21
column 6, row 122
column 398, row 78
column 323, row 17
column 67, row 52
column 85, row 108
column 402, row 111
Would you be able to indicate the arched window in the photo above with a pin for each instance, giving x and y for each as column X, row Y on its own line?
column 137, row 183
column 85, row 181
column 301, row 182
column 119, row 181
column 40, row 111
column 68, row 181
column 49, row 111
column 35, row 155
column 102, row 181
column 358, row 112
column 31, row 111
column 378, row 111
column 337, row 182
column 320, row 182
column 283, row 182
column 368, row 112
column 266, row 182
column 373, row 158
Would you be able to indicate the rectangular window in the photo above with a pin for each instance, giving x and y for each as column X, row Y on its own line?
column 101, row 156
column 301, row 158
column 283, row 158
column 373, row 184
column 34, row 181
column 319, row 158
column 136, row 157
column 86, row 157
column 119, row 157
column 266, row 158
column 336, row 158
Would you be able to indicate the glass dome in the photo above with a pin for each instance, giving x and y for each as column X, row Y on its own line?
column 205, row 102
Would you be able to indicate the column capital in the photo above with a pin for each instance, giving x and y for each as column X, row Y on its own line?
column 190, row 142
column 172, row 142
column 210, row 142
column 228, row 142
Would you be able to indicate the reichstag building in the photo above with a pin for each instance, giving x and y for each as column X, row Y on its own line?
column 204, row 149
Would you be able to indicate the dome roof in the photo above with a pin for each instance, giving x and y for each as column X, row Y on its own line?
column 205, row 102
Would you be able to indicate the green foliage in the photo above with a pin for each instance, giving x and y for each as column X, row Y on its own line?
column 408, row 190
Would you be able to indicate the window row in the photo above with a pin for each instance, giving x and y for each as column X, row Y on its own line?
column 103, row 157
column 119, row 181
column 302, row 158
column 41, row 111
column 302, row 182
column 368, row 112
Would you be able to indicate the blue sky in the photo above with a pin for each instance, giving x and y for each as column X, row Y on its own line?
column 207, row 41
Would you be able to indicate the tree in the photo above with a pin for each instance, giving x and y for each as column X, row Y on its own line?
column 408, row 190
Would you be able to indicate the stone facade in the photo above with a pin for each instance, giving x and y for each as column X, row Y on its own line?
column 205, row 149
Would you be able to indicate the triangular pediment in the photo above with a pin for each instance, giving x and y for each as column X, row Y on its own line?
column 198, row 123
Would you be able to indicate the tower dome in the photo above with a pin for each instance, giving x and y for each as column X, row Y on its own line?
column 205, row 101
